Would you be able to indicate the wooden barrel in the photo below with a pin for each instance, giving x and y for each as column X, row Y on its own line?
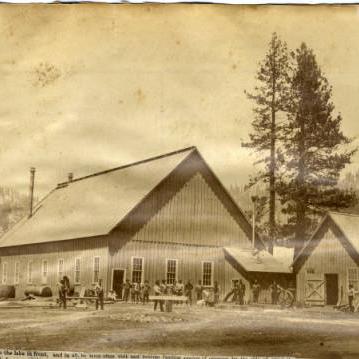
column 40, row 291
column 7, row 291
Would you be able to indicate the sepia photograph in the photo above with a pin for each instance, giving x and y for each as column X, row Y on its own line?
column 180, row 180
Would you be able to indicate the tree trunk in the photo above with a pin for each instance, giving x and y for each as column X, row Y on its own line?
column 272, row 166
column 301, row 192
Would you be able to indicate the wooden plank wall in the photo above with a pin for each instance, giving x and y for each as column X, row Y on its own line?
column 329, row 256
column 155, row 254
column 192, row 227
column 194, row 216
column 85, row 249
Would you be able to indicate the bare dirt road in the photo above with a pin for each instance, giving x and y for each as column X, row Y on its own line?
column 197, row 331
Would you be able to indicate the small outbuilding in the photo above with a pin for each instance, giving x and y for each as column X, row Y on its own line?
column 329, row 262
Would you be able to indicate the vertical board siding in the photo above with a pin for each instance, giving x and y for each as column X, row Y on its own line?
column 194, row 216
column 85, row 250
column 329, row 256
column 192, row 227
column 190, row 258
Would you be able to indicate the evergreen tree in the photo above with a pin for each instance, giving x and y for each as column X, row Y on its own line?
column 314, row 149
column 270, row 97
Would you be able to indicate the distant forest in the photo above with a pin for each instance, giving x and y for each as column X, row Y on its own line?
column 13, row 206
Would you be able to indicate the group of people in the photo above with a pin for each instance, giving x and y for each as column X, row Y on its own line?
column 140, row 292
column 136, row 292
column 208, row 295
column 238, row 292
column 64, row 290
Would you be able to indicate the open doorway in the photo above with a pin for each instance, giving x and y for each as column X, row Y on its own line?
column 331, row 289
column 118, row 277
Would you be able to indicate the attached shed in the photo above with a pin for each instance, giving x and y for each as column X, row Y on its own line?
column 329, row 262
column 250, row 265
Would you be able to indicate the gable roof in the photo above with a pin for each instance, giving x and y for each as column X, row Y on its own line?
column 345, row 227
column 97, row 204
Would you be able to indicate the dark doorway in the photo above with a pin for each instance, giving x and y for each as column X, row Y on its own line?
column 117, row 281
column 331, row 287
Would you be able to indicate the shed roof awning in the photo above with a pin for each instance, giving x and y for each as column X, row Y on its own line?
column 257, row 261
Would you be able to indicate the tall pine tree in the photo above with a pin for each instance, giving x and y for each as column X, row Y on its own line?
column 315, row 149
column 270, row 98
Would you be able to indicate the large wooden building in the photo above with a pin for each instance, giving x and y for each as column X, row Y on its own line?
column 329, row 262
column 167, row 217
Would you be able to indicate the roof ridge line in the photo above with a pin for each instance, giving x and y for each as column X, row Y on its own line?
column 64, row 184
column 344, row 213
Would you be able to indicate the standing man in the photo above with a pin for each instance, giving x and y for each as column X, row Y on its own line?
column 62, row 293
column 255, row 290
column 199, row 289
column 145, row 292
column 164, row 287
column 127, row 290
column 235, row 298
column 242, row 292
column 158, row 292
column 99, row 294
column 351, row 294
column 179, row 288
column 216, row 290
column 188, row 291
column 137, row 292
column 274, row 292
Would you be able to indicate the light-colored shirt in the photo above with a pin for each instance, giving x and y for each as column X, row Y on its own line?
column 157, row 289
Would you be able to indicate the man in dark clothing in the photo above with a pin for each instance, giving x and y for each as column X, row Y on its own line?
column 188, row 291
column 145, row 292
column 235, row 292
column 99, row 294
column 199, row 289
column 127, row 290
column 216, row 290
column 274, row 292
column 62, row 293
column 241, row 292
column 255, row 290
column 158, row 292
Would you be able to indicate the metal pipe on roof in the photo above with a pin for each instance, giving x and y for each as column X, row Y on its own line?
column 70, row 177
column 32, row 184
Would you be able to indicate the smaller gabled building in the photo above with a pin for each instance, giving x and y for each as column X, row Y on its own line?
column 329, row 262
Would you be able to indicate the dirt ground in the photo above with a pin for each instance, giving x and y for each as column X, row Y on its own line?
column 225, row 330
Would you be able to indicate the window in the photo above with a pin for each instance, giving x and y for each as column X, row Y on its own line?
column 353, row 277
column 137, row 269
column 96, row 269
column 171, row 271
column 60, row 270
column 77, row 271
column 207, row 273
column 29, row 272
column 44, row 272
column 17, row 272
column 4, row 273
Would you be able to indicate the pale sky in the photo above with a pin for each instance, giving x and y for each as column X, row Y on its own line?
column 89, row 87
